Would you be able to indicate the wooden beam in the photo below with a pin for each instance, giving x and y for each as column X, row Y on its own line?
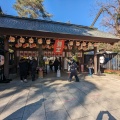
column 29, row 33
column 89, row 50
column 95, row 60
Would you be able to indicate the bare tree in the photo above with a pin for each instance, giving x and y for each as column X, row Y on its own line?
column 110, row 9
column 111, row 15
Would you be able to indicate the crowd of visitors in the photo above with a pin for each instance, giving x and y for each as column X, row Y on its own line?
column 56, row 64
column 27, row 66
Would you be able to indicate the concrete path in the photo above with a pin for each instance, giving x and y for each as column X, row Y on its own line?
column 93, row 98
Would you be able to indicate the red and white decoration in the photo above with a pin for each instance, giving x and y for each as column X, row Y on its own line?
column 31, row 40
column 11, row 39
column 58, row 46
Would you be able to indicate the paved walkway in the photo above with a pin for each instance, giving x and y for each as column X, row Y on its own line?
column 94, row 98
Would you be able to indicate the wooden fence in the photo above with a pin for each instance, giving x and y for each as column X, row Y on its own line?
column 112, row 61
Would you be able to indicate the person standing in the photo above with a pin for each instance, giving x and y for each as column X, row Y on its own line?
column 69, row 63
column 73, row 71
column 90, row 66
column 34, row 65
column 23, row 67
column 51, row 65
column 56, row 64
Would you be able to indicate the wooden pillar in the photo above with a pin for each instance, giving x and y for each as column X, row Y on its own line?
column 40, row 51
column 82, row 61
column 6, row 65
column 15, row 60
column 95, row 60
column 82, row 52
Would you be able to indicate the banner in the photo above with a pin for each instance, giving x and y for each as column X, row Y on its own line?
column 58, row 46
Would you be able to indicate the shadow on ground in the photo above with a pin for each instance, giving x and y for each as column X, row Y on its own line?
column 53, row 99
column 105, row 115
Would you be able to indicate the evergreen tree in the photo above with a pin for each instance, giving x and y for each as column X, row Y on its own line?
column 31, row 9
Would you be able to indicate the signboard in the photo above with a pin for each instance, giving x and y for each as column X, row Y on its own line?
column 58, row 46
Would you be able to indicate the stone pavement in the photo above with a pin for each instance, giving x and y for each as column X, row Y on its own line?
column 93, row 98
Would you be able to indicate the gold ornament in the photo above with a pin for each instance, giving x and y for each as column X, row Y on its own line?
column 77, row 43
column 48, row 41
column 11, row 39
column 31, row 40
column 90, row 44
column 84, row 44
column 22, row 40
column 71, row 43
column 40, row 41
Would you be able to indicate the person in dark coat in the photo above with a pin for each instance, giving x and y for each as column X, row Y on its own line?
column 23, row 67
column 56, row 64
column 34, row 65
column 51, row 65
column 73, row 71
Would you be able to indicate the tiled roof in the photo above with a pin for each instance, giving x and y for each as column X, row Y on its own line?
column 51, row 26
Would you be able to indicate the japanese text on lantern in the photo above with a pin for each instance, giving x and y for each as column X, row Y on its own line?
column 58, row 47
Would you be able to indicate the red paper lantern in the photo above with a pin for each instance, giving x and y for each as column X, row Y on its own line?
column 16, row 45
column 34, row 45
column 24, row 46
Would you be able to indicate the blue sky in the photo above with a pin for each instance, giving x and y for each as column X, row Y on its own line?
column 75, row 11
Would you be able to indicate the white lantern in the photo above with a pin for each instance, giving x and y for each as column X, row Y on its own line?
column 102, row 59
column 22, row 40
column 48, row 41
column 31, row 40
column 71, row 43
column 77, row 43
column 40, row 41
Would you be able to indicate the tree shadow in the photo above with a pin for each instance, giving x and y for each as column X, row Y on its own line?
column 71, row 94
column 30, row 111
column 105, row 115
